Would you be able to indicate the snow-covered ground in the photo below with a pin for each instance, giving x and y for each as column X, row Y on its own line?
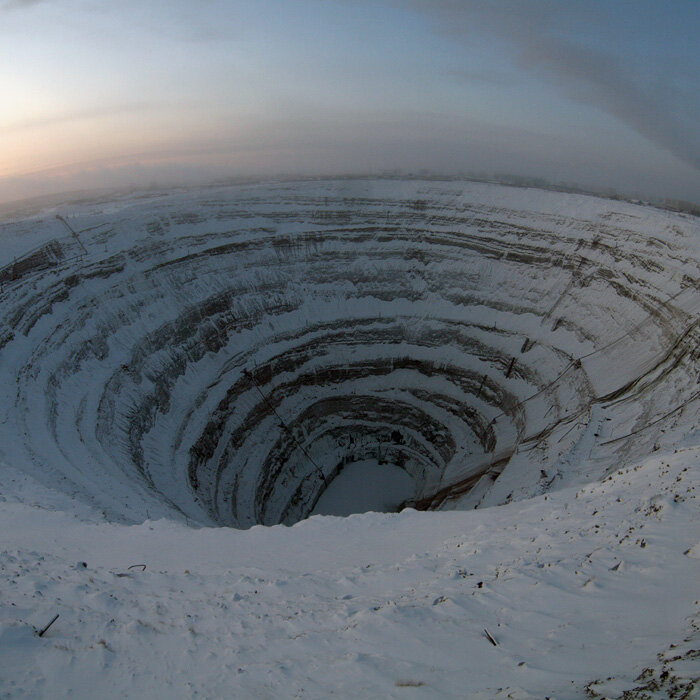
column 581, row 586
column 215, row 357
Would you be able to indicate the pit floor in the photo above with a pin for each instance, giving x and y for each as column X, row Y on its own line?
column 365, row 486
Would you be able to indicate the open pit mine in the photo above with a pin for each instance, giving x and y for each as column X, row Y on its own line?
column 261, row 353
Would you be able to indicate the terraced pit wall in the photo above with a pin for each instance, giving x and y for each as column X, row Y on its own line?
column 223, row 354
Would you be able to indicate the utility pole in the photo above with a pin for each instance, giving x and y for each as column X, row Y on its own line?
column 73, row 233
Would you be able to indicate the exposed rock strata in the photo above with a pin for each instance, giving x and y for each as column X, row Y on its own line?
column 225, row 353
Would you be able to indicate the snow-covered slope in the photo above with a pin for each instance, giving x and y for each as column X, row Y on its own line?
column 219, row 356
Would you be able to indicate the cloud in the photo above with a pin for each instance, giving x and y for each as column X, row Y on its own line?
column 110, row 111
column 18, row 4
column 550, row 39
column 485, row 76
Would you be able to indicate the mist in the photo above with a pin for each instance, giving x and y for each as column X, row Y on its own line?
column 160, row 94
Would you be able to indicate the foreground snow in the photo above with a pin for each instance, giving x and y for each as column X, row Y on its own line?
column 575, row 587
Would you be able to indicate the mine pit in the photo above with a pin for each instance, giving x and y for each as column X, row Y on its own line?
column 260, row 354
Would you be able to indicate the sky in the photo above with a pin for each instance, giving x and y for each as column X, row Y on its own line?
column 599, row 93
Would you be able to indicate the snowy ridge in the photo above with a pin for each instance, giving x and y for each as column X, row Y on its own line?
column 218, row 356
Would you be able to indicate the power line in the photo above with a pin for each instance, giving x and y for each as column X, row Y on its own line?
column 73, row 233
column 250, row 376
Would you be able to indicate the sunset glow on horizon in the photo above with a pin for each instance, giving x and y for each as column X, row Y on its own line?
column 594, row 93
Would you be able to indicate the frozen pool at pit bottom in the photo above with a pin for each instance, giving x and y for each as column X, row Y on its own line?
column 365, row 486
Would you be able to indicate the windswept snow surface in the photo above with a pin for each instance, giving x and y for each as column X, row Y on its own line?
column 212, row 359
column 577, row 586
